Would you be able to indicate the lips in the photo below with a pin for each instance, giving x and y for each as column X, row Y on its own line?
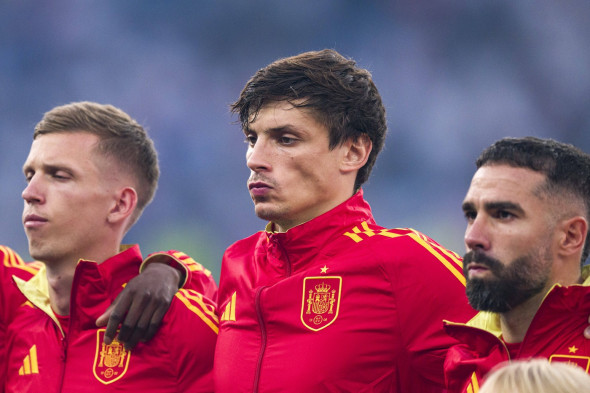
column 33, row 221
column 259, row 188
column 476, row 269
column 257, row 184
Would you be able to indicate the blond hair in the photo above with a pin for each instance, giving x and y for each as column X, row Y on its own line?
column 537, row 376
column 121, row 139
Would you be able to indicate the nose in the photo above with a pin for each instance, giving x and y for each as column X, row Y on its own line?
column 257, row 157
column 32, row 192
column 477, row 235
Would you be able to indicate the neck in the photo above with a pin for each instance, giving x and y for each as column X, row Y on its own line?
column 60, row 276
column 60, row 288
column 283, row 225
column 516, row 322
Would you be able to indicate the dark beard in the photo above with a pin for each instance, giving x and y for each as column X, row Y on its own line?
column 511, row 285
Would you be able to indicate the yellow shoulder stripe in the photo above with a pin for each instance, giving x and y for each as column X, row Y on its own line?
column 191, row 264
column 193, row 300
column 12, row 259
column 449, row 259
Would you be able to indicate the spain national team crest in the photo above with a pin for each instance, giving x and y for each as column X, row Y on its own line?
column 321, row 301
column 580, row 361
column 110, row 361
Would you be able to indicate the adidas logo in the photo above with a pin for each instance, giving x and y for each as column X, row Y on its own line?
column 229, row 314
column 30, row 365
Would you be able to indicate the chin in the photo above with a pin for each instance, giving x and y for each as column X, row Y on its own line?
column 39, row 253
column 269, row 213
column 263, row 210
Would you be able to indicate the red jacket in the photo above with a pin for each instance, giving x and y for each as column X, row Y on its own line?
column 10, row 297
column 41, row 358
column 555, row 333
column 337, row 304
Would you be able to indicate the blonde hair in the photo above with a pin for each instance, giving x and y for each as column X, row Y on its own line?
column 537, row 376
column 121, row 139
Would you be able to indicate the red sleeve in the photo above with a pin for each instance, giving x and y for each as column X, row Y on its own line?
column 11, row 264
column 195, row 328
column 196, row 276
column 461, row 371
column 428, row 288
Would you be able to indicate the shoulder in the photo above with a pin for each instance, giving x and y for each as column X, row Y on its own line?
column 197, row 278
column 399, row 243
column 201, row 279
column 12, row 264
column 407, row 253
column 246, row 245
column 9, row 258
column 195, row 311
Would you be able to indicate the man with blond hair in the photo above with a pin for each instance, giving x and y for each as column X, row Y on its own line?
column 90, row 172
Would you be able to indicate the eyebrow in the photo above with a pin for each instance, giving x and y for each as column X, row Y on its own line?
column 273, row 130
column 500, row 205
column 467, row 206
column 47, row 168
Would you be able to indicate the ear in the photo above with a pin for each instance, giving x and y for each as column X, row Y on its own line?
column 356, row 153
column 124, row 205
column 573, row 236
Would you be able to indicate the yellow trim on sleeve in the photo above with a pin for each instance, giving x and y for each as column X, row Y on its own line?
column 203, row 311
column 458, row 273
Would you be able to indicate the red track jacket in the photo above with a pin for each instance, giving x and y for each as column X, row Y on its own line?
column 337, row 304
column 10, row 297
column 41, row 358
column 555, row 333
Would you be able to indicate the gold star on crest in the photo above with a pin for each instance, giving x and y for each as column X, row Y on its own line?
column 573, row 349
column 324, row 269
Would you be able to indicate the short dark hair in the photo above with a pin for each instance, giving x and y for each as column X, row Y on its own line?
column 566, row 167
column 340, row 95
column 121, row 138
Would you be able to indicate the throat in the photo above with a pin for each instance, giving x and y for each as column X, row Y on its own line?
column 517, row 321
column 60, row 290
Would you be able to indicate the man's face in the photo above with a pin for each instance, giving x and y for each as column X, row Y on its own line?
column 294, row 176
column 66, row 200
column 509, row 238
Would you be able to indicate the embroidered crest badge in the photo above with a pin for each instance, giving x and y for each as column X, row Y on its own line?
column 110, row 361
column 321, row 301
column 581, row 361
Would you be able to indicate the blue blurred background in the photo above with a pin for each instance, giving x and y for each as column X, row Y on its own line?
column 454, row 76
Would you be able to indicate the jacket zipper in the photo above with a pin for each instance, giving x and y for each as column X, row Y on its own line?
column 65, row 340
column 288, row 267
column 64, row 356
column 262, row 337
column 261, row 321
column 275, row 240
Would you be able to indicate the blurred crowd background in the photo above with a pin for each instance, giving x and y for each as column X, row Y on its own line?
column 454, row 76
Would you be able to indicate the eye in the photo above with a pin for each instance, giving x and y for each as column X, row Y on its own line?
column 470, row 215
column 504, row 215
column 60, row 175
column 250, row 139
column 286, row 140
